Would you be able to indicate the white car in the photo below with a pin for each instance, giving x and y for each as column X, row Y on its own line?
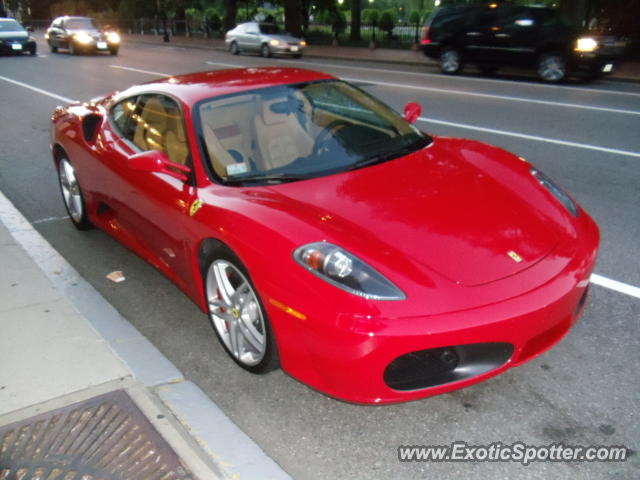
column 264, row 38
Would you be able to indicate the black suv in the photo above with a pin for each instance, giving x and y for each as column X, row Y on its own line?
column 495, row 35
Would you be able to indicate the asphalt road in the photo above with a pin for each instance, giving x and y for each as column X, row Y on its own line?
column 585, row 391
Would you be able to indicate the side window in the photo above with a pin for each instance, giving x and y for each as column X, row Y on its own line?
column 121, row 117
column 157, row 124
column 57, row 23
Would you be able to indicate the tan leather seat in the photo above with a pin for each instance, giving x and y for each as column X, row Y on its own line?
column 176, row 139
column 152, row 126
column 229, row 153
column 281, row 138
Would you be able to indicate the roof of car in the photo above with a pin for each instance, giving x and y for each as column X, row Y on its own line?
column 193, row 87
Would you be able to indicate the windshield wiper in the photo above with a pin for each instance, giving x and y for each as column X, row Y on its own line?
column 383, row 157
column 274, row 178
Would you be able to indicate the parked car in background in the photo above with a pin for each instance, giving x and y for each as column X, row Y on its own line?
column 15, row 39
column 264, row 38
column 81, row 34
column 498, row 35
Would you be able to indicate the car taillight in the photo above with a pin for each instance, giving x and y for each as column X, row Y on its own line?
column 425, row 36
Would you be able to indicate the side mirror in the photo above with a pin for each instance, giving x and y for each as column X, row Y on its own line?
column 157, row 162
column 29, row 29
column 412, row 111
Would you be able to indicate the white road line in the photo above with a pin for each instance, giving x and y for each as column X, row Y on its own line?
column 462, row 78
column 615, row 285
column 531, row 137
column 232, row 65
column 496, row 97
column 39, row 90
column 49, row 219
column 149, row 72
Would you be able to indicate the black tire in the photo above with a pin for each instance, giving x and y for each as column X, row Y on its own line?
column 552, row 67
column 52, row 48
column 222, row 255
column 80, row 221
column 233, row 48
column 113, row 51
column 297, row 55
column 450, row 60
column 73, row 50
column 32, row 51
column 265, row 51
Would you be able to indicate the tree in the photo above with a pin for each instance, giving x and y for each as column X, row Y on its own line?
column 414, row 19
column 356, row 10
column 230, row 14
column 293, row 17
column 387, row 22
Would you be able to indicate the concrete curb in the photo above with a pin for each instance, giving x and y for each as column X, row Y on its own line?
column 231, row 450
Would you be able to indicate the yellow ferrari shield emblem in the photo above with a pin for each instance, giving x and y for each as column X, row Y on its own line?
column 195, row 206
column 235, row 313
column 514, row 256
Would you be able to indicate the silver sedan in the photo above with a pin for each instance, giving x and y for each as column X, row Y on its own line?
column 265, row 38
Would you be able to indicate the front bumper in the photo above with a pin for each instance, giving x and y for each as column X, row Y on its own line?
column 287, row 49
column 354, row 357
column 96, row 46
column 8, row 47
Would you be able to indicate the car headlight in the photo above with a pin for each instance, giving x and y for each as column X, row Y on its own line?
column 113, row 37
column 586, row 44
column 83, row 38
column 303, row 43
column 346, row 271
column 556, row 191
column 274, row 43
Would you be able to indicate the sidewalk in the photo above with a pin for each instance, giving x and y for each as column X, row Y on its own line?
column 627, row 71
column 80, row 387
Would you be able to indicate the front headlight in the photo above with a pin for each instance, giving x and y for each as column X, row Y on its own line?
column 346, row 271
column 274, row 43
column 303, row 43
column 113, row 37
column 586, row 44
column 83, row 38
column 556, row 191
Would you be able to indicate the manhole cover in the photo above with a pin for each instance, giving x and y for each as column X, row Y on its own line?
column 104, row 438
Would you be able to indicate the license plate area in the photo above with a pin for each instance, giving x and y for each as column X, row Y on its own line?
column 102, row 45
column 16, row 46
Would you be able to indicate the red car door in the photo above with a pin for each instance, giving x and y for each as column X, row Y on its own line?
column 150, row 210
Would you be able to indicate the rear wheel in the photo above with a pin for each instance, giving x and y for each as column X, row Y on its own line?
column 450, row 60
column 233, row 48
column 236, row 313
column 265, row 51
column 552, row 67
column 72, row 195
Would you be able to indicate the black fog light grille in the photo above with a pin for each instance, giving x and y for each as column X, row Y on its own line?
column 437, row 366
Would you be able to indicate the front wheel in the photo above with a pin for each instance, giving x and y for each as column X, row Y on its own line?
column 113, row 51
column 552, row 67
column 233, row 48
column 73, row 50
column 52, row 48
column 237, row 314
column 72, row 195
column 450, row 61
column 265, row 51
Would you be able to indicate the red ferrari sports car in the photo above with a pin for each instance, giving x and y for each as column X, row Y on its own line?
column 323, row 232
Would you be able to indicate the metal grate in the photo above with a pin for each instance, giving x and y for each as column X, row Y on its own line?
column 104, row 438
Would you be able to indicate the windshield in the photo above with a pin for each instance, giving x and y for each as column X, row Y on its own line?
column 294, row 132
column 10, row 26
column 269, row 29
column 80, row 24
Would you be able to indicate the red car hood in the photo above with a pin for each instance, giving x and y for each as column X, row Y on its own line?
column 459, row 208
